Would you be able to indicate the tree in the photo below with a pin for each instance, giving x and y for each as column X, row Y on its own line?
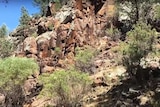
column 6, row 48
column 42, row 4
column 25, row 18
column 3, row 31
column 140, row 42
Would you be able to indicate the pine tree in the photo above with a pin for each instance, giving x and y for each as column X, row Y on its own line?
column 25, row 18
column 42, row 4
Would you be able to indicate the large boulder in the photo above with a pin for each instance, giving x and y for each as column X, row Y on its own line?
column 65, row 15
column 43, row 45
column 30, row 45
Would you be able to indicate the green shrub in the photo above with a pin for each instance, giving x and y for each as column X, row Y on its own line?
column 66, row 88
column 34, row 34
column 51, row 27
column 14, row 70
column 157, row 12
column 84, row 58
column 84, row 55
column 3, row 31
column 6, row 48
column 113, row 33
column 140, row 42
column 57, row 50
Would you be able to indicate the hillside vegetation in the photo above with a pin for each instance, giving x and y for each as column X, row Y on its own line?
column 83, row 53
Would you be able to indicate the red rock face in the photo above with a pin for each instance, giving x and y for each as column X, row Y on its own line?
column 57, row 39
column 43, row 48
column 30, row 45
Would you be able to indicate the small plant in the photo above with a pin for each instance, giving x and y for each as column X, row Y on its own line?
column 84, row 55
column 57, row 50
column 84, row 59
column 157, row 12
column 113, row 33
column 51, row 27
column 58, row 5
column 66, row 88
column 34, row 34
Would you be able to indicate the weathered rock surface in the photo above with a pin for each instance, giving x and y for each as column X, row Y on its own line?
column 55, row 39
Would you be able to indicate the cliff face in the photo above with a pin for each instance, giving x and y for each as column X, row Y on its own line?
column 71, row 27
column 52, row 40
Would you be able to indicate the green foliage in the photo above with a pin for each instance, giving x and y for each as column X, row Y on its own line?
column 42, row 4
column 84, row 58
column 57, row 50
column 51, row 27
column 25, row 18
column 3, row 31
column 113, row 33
column 6, row 48
column 140, row 42
column 156, row 103
column 157, row 12
column 34, row 34
column 36, row 15
column 66, row 87
column 58, row 5
column 84, row 55
column 14, row 70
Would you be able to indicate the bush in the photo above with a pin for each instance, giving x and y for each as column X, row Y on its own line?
column 156, row 12
column 6, row 48
column 113, row 33
column 84, row 55
column 13, row 72
column 3, row 31
column 66, row 88
column 84, row 59
column 140, row 42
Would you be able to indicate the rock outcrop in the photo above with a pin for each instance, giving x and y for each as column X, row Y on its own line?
column 57, row 37
column 52, row 40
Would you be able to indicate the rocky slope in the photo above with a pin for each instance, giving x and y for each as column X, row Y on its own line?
column 52, row 42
